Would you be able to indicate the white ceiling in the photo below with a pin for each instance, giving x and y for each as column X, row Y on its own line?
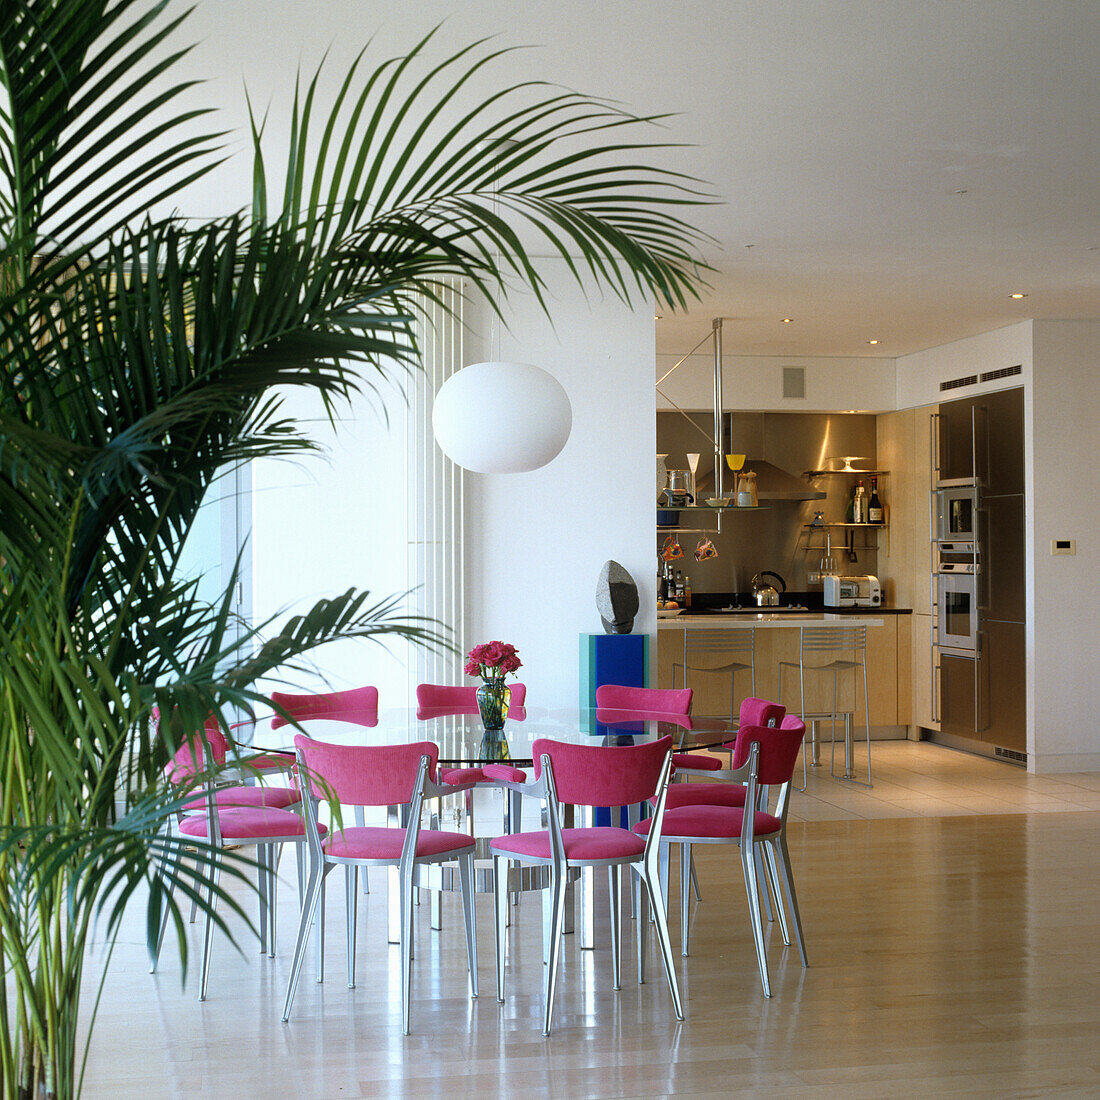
column 888, row 169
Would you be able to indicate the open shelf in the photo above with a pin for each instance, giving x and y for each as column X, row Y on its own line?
column 846, row 473
column 854, row 526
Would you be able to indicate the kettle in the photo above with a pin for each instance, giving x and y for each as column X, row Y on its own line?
column 678, row 488
column 765, row 594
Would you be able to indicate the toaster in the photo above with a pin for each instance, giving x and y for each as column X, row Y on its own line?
column 852, row 591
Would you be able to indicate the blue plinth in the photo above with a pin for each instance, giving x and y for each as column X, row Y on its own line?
column 611, row 659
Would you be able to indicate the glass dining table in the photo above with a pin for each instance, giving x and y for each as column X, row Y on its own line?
column 464, row 743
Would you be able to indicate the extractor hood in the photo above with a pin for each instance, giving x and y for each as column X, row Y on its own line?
column 774, row 483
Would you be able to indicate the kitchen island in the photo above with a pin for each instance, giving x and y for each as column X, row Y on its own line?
column 777, row 639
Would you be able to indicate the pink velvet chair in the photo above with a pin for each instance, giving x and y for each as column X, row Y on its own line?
column 664, row 700
column 762, row 756
column 223, row 816
column 585, row 775
column 442, row 697
column 387, row 775
column 358, row 705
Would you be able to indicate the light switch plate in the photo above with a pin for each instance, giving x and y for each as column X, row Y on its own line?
column 1063, row 546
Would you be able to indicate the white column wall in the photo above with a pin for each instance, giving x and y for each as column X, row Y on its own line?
column 1064, row 692
column 536, row 541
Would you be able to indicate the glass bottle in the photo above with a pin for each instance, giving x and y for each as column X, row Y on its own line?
column 875, row 513
column 859, row 503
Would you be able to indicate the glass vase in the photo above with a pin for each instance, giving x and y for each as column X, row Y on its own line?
column 492, row 702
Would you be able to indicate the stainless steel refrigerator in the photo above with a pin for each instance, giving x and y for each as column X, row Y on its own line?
column 979, row 613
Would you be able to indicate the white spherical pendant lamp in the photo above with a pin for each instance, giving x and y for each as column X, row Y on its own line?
column 501, row 418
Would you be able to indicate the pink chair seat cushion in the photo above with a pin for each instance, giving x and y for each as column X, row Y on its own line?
column 696, row 762
column 455, row 776
column 276, row 798
column 715, row 822
column 378, row 842
column 602, row 842
column 247, row 823
column 267, row 761
column 705, row 794
column 506, row 772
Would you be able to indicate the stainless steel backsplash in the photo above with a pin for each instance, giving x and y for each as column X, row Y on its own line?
column 775, row 538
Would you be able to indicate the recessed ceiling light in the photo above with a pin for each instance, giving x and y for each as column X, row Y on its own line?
column 872, row 341
column 1018, row 294
column 787, row 320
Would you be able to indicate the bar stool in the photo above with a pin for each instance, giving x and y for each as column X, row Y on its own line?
column 724, row 644
column 850, row 645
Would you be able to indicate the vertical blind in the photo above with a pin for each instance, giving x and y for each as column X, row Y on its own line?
column 435, row 562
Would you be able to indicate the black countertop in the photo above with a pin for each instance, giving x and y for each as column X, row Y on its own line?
column 733, row 603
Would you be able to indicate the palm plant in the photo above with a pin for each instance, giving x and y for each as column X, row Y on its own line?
column 141, row 357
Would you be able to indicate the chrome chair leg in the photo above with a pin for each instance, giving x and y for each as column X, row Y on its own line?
column 466, row 873
column 783, row 860
column 500, row 900
column 685, row 896
column 351, row 906
column 641, row 925
column 749, row 870
column 660, row 922
column 614, row 889
column 558, row 878
column 208, row 930
column 305, row 921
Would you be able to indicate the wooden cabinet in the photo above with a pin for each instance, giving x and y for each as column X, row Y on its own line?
column 924, row 677
column 905, row 558
column 887, row 663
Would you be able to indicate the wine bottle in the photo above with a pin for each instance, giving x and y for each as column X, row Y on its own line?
column 859, row 504
column 875, row 513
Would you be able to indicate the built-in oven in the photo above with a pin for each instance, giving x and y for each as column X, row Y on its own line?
column 956, row 512
column 955, row 618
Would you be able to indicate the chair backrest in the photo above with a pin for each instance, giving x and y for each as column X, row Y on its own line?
column 365, row 775
column 357, row 705
column 778, row 752
column 760, row 712
column 815, row 639
column 720, row 641
column 439, row 696
column 603, row 775
column 664, row 700
column 190, row 757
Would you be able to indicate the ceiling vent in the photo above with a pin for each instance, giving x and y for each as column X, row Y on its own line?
column 958, row 383
column 1004, row 372
column 794, row 382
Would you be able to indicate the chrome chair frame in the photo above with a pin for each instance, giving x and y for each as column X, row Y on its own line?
column 831, row 639
column 724, row 643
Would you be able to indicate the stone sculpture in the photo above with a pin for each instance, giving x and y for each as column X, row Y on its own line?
column 616, row 598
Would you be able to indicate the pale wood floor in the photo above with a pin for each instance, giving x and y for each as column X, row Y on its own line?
column 954, row 951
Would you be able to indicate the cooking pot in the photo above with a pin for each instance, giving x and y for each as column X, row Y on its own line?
column 767, row 595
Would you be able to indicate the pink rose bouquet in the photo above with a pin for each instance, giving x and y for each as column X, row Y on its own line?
column 492, row 661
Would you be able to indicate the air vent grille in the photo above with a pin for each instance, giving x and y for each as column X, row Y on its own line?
column 794, row 382
column 1012, row 755
column 956, row 383
column 1004, row 372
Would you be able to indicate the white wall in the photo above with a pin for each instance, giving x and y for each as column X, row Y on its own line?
column 536, row 541
column 324, row 523
column 1065, row 699
column 755, row 382
column 919, row 375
